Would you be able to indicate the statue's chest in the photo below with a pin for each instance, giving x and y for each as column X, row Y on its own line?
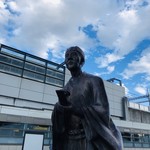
column 79, row 93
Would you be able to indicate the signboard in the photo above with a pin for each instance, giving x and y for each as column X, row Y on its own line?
column 33, row 141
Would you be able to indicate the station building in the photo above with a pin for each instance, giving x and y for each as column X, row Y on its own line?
column 27, row 98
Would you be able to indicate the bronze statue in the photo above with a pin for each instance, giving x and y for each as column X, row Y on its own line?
column 81, row 119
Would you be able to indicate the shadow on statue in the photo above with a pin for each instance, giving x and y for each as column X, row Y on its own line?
column 81, row 118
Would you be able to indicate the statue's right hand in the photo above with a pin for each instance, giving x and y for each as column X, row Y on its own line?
column 63, row 97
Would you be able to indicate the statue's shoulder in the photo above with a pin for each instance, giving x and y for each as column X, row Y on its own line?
column 92, row 77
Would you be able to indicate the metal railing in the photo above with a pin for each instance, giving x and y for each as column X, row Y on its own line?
column 19, row 63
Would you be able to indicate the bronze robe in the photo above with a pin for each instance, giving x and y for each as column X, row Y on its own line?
column 89, row 115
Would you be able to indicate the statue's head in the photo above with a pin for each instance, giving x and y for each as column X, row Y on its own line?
column 75, row 52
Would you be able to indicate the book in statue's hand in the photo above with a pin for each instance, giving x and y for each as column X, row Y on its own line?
column 62, row 97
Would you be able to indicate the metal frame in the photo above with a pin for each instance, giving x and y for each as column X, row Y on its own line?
column 33, row 60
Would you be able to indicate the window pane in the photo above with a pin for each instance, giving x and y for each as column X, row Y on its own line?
column 55, row 74
column 10, row 140
column 146, row 145
column 35, row 60
column 11, row 52
column 35, row 68
column 146, row 138
column 12, row 61
column 12, row 70
column 33, row 75
column 11, row 125
column 41, row 128
column 5, row 59
column 51, row 73
column 17, row 63
column 51, row 65
column 5, row 67
column 137, row 138
column 13, row 133
column 16, row 70
column 54, row 81
column 11, row 129
column 59, row 75
column 127, row 139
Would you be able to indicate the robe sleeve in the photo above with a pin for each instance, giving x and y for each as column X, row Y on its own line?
column 59, row 122
column 97, row 121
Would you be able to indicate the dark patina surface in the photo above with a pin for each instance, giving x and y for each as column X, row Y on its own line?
column 81, row 119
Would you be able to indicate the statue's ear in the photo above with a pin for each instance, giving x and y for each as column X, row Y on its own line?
column 81, row 62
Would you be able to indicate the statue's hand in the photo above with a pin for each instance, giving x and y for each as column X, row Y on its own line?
column 63, row 97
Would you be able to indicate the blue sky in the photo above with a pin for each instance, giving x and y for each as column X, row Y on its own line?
column 114, row 34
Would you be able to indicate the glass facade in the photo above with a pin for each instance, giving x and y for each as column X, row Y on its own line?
column 136, row 140
column 13, row 133
column 22, row 64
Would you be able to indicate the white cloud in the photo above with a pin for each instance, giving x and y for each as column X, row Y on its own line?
column 97, row 74
column 110, row 69
column 121, row 31
column 141, row 89
column 4, row 17
column 115, row 31
column 2, row 4
column 13, row 6
column 148, row 78
column 109, row 58
column 139, row 66
column 2, row 40
column 52, row 25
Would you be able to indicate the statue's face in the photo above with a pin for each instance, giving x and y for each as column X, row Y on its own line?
column 72, row 60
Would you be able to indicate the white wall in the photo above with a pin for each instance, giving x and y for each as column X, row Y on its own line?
column 115, row 94
column 14, row 86
column 26, row 97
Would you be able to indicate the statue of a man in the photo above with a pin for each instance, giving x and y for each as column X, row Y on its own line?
column 81, row 119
